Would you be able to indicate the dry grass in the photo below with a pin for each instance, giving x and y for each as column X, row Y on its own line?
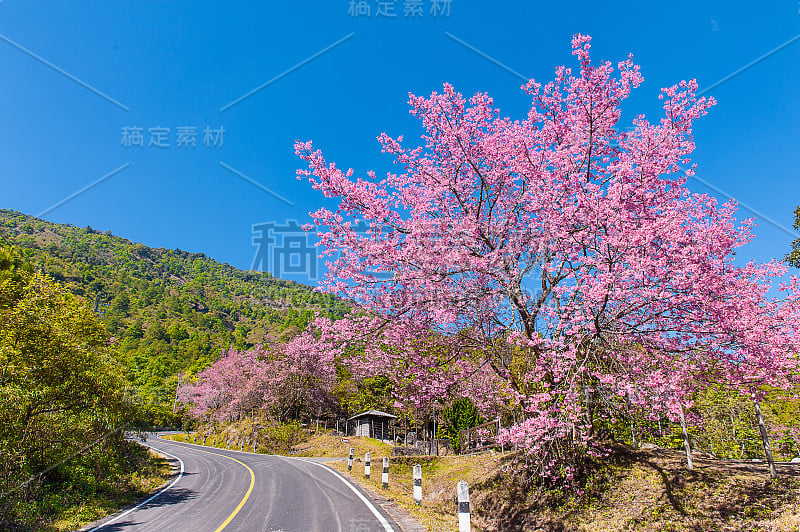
column 649, row 491
column 333, row 446
column 653, row 491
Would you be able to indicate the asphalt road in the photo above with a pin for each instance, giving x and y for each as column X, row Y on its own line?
column 217, row 489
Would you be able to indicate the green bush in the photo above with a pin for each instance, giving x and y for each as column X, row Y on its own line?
column 460, row 415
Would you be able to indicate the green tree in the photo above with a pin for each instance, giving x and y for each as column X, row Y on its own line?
column 729, row 428
column 793, row 257
column 460, row 415
column 61, row 385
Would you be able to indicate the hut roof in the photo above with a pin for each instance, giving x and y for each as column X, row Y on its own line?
column 374, row 413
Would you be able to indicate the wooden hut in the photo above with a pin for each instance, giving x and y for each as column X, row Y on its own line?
column 373, row 424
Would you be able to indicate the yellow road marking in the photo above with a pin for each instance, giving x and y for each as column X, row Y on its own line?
column 246, row 495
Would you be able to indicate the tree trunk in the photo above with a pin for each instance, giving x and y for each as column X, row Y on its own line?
column 765, row 439
column 630, row 421
column 686, row 446
column 589, row 416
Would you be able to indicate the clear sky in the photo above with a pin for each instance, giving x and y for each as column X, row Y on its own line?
column 77, row 73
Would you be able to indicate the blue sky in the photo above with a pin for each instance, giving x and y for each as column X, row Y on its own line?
column 178, row 64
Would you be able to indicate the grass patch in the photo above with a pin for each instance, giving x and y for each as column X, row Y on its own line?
column 270, row 436
column 333, row 446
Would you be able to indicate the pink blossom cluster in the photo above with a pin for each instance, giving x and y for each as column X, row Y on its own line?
column 281, row 380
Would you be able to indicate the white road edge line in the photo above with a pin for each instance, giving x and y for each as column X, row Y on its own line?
column 120, row 516
column 381, row 518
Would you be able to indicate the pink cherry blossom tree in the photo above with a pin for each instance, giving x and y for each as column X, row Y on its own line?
column 559, row 250
column 284, row 381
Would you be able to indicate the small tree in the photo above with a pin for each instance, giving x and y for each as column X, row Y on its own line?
column 460, row 415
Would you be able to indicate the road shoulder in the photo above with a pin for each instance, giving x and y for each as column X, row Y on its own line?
column 399, row 515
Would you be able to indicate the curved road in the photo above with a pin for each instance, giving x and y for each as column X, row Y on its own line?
column 229, row 490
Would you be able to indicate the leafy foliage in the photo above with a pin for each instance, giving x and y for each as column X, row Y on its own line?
column 355, row 395
column 62, row 388
column 729, row 424
column 793, row 257
column 461, row 414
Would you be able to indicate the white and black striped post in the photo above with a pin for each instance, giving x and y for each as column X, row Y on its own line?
column 463, row 507
column 227, row 444
column 350, row 459
column 214, row 442
column 385, row 474
column 255, row 447
column 204, row 440
column 367, row 464
column 418, row 484
column 241, row 445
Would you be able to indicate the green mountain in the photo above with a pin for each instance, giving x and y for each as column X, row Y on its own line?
column 168, row 311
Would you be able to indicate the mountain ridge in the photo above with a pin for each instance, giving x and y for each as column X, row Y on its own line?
column 170, row 311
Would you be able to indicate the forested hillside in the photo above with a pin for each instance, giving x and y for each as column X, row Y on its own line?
column 169, row 311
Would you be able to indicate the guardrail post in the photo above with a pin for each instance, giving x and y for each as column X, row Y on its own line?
column 366, row 465
column 350, row 459
column 241, row 445
column 418, row 484
column 385, row 474
column 204, row 440
column 214, row 442
column 255, row 447
column 463, row 507
column 227, row 444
